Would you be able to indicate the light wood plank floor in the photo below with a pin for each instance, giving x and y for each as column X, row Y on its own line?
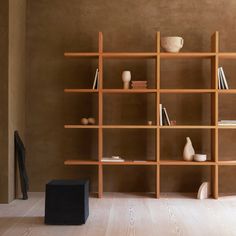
column 126, row 214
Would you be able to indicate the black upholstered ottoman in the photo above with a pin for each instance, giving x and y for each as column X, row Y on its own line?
column 67, row 202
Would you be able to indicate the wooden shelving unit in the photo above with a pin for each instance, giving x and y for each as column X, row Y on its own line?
column 214, row 56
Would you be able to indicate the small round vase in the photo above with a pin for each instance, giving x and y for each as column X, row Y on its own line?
column 126, row 77
column 188, row 152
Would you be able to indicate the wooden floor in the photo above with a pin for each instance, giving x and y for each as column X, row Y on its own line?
column 126, row 214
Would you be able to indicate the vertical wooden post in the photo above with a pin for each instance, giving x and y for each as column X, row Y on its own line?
column 214, row 114
column 158, row 116
column 100, row 115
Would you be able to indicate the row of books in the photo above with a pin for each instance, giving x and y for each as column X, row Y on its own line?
column 222, row 82
column 164, row 118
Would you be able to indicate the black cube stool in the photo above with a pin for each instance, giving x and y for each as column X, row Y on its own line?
column 67, row 202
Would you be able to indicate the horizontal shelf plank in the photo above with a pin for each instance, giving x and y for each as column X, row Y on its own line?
column 129, row 90
column 227, row 126
column 186, row 163
column 81, row 126
column 67, row 90
column 227, row 91
column 80, row 90
column 227, row 55
column 81, row 54
column 130, row 163
column 188, row 127
column 204, row 55
column 80, row 162
column 67, row 126
column 187, row 90
column 129, row 126
column 129, row 54
column 227, row 163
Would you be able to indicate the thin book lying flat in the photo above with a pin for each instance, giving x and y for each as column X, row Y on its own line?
column 110, row 159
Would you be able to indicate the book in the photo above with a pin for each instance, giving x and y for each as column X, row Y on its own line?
column 111, row 159
column 227, row 122
column 160, row 114
column 222, row 82
column 95, row 82
column 224, row 78
column 166, row 116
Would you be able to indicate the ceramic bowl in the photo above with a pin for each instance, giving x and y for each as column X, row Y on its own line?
column 200, row 157
column 172, row 44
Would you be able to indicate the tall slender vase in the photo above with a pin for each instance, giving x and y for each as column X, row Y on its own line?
column 188, row 150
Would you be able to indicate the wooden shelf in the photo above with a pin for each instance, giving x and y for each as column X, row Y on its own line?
column 203, row 55
column 81, row 54
column 187, row 90
column 80, row 90
column 188, row 127
column 131, row 163
column 227, row 163
column 147, row 55
column 227, row 55
column 226, row 126
column 158, row 56
column 80, row 162
column 186, row 163
column 226, row 91
column 81, row 126
column 129, row 90
column 129, row 126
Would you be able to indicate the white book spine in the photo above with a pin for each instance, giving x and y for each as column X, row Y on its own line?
column 167, row 117
column 160, row 115
column 219, row 84
column 95, row 78
column 224, row 78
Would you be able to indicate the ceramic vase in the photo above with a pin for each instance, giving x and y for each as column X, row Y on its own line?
column 126, row 77
column 188, row 152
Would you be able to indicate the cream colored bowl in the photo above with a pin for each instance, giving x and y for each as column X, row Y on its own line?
column 200, row 157
column 172, row 44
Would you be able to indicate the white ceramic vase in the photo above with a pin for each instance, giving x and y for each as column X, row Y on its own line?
column 126, row 77
column 188, row 152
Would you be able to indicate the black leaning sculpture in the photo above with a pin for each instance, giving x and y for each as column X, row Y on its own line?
column 20, row 159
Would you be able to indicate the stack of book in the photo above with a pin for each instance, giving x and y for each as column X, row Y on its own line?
column 112, row 159
column 227, row 122
column 222, row 82
column 164, row 118
column 139, row 84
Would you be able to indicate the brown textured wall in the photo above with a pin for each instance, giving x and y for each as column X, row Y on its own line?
column 56, row 26
column 4, row 101
column 12, row 89
column 17, row 97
